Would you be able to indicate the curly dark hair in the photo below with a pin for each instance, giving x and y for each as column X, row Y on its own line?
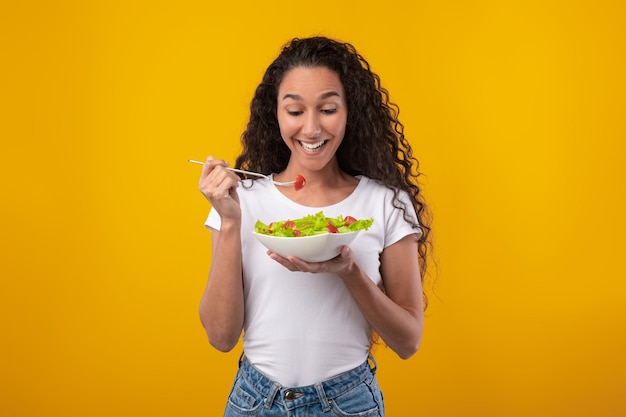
column 372, row 127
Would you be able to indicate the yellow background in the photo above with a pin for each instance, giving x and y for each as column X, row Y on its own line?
column 515, row 110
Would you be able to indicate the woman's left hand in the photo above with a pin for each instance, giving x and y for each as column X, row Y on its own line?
column 340, row 264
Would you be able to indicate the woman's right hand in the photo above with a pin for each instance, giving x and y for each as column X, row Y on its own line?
column 219, row 186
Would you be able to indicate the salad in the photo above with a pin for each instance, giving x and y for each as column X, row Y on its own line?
column 312, row 224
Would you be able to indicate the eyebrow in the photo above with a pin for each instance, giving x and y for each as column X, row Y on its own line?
column 322, row 97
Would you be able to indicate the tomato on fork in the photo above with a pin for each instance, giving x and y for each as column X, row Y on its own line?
column 300, row 181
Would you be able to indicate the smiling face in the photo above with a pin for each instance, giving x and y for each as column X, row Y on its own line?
column 312, row 114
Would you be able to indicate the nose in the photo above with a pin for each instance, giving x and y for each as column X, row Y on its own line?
column 312, row 127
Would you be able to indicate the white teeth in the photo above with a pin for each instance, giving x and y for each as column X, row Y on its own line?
column 312, row 146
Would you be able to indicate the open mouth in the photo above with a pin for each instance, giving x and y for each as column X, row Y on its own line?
column 312, row 147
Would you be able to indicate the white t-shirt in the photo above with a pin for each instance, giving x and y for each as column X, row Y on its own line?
column 301, row 328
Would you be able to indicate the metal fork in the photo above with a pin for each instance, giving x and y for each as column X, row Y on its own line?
column 256, row 174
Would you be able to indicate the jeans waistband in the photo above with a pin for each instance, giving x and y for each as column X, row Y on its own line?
column 322, row 391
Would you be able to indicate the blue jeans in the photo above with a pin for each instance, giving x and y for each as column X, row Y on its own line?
column 353, row 393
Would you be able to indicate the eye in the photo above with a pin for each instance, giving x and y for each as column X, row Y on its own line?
column 294, row 112
column 329, row 111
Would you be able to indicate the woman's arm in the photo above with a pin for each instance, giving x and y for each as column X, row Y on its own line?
column 397, row 314
column 222, row 305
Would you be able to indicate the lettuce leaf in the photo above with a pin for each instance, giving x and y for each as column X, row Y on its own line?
column 313, row 224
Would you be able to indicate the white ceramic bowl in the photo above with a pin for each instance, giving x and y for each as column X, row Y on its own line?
column 317, row 248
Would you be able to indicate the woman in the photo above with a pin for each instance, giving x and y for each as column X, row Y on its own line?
column 308, row 327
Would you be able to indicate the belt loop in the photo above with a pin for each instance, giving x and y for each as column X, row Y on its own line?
column 374, row 365
column 322, row 395
column 272, row 395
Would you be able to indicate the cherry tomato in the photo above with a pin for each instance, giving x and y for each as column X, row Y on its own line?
column 300, row 181
column 348, row 220
column 289, row 224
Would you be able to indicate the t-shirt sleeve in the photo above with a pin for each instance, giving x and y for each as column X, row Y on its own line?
column 213, row 221
column 396, row 225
